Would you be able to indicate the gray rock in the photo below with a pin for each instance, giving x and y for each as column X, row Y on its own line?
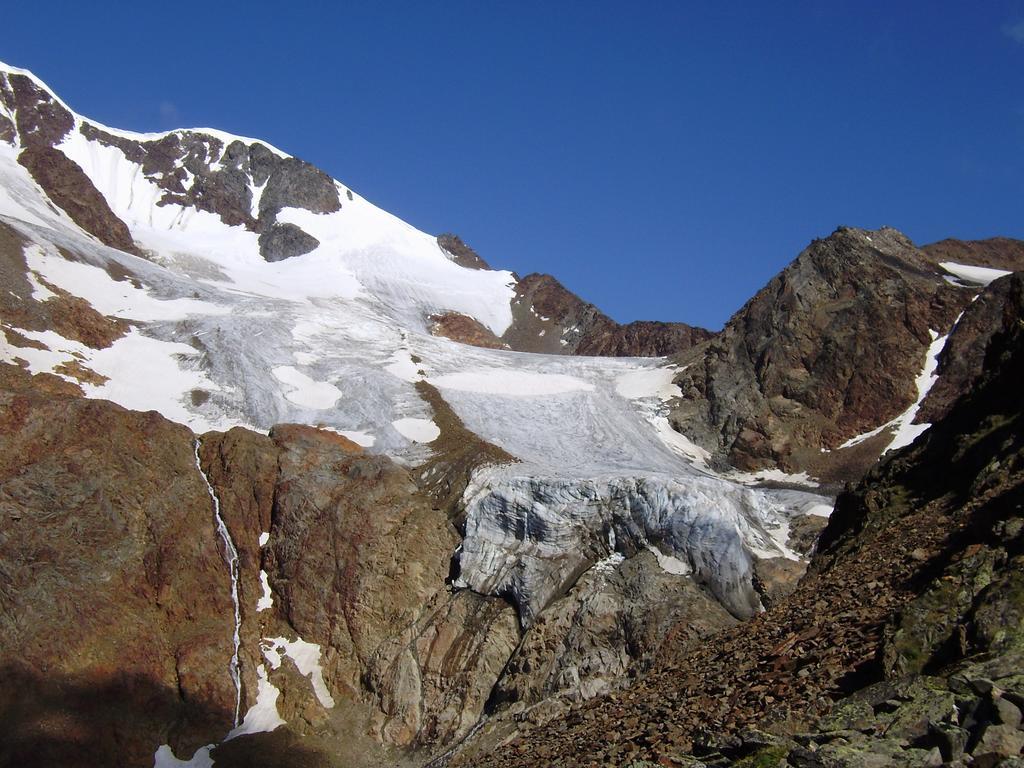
column 950, row 739
column 294, row 183
column 285, row 241
column 1007, row 712
column 1001, row 740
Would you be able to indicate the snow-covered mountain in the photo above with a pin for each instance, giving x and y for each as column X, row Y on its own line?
column 507, row 502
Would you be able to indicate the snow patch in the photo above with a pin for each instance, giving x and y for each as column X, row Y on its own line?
column 648, row 382
column 304, row 391
column 307, row 660
column 143, row 373
column 670, row 564
column 774, row 476
column 680, row 443
column 266, row 600
column 904, row 429
column 231, row 556
column 973, row 275
column 164, row 758
column 262, row 716
column 402, row 366
column 417, row 430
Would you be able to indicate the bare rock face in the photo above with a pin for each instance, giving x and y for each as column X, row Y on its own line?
column 465, row 330
column 606, row 629
column 461, row 253
column 285, row 241
column 356, row 561
column 115, row 607
column 962, row 359
column 549, row 318
column 828, row 350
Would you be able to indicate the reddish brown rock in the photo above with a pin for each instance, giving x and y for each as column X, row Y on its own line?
column 115, row 611
column 465, row 330
column 549, row 318
column 461, row 253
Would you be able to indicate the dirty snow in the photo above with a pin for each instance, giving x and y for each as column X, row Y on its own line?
column 262, row 716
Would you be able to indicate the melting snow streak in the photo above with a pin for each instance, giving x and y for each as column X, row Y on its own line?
column 231, row 556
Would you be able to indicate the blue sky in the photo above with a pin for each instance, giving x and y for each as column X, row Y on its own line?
column 663, row 159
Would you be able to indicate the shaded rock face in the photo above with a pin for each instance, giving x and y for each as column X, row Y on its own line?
column 284, row 241
column 607, row 629
column 962, row 359
column 828, row 350
column 115, row 607
column 193, row 169
column 549, row 318
column 902, row 645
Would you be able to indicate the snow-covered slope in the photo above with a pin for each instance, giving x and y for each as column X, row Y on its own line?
column 225, row 331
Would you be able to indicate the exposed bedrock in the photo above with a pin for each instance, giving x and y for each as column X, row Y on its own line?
column 530, row 538
column 829, row 349
column 115, row 609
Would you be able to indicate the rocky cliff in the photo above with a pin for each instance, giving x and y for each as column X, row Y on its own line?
column 829, row 350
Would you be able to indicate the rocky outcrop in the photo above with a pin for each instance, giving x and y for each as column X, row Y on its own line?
column 39, row 119
column 962, row 358
column 460, row 253
column 606, row 629
column 197, row 170
column 356, row 561
column 118, row 597
column 464, row 329
column 548, row 318
column 902, row 645
column 828, row 350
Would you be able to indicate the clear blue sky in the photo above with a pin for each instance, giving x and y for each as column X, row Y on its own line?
column 663, row 159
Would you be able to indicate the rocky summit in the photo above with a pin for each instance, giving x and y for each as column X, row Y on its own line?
column 287, row 482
